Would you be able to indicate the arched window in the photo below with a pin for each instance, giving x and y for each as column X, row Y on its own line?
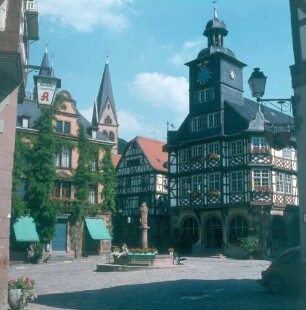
column 239, row 228
column 111, row 136
column 108, row 120
column 105, row 133
column 190, row 227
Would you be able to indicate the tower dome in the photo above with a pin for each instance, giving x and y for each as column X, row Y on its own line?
column 215, row 31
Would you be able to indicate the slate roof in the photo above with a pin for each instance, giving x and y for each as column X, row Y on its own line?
column 153, row 150
column 31, row 109
column 46, row 69
column 105, row 94
column 237, row 120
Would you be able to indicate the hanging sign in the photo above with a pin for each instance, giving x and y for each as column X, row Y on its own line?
column 46, row 89
column 278, row 136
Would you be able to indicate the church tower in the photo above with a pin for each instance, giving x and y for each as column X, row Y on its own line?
column 104, row 112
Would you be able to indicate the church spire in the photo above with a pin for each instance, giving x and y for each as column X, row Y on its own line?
column 104, row 112
column 45, row 69
column 105, row 94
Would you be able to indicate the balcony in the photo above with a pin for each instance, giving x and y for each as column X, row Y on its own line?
column 32, row 20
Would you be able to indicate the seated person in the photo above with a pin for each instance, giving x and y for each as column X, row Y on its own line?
column 124, row 250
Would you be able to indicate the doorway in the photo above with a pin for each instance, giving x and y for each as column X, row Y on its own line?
column 213, row 233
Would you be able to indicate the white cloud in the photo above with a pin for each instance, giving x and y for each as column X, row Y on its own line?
column 161, row 90
column 187, row 52
column 130, row 125
column 85, row 15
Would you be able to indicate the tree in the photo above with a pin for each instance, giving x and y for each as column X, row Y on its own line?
column 22, row 150
column 41, row 175
column 108, row 179
column 83, row 179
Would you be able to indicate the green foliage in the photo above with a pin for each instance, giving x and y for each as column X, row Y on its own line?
column 38, row 251
column 22, row 150
column 83, row 177
column 109, row 175
column 250, row 245
column 41, row 177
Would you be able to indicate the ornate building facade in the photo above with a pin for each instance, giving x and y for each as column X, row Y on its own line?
column 225, row 181
column 94, row 230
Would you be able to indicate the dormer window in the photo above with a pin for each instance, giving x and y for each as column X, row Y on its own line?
column 214, row 120
column 196, row 123
column 94, row 134
column 25, row 122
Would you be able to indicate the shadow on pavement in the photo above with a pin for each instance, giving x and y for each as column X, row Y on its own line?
column 178, row 295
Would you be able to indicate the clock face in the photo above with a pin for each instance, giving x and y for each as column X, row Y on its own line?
column 232, row 75
column 203, row 74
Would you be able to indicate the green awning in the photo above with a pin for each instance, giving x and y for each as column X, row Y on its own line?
column 97, row 229
column 25, row 229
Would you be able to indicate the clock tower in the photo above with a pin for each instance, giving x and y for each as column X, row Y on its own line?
column 215, row 76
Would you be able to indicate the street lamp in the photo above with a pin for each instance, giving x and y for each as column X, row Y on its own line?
column 257, row 83
column 277, row 135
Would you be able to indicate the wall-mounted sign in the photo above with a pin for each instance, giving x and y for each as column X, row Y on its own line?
column 46, row 89
column 278, row 136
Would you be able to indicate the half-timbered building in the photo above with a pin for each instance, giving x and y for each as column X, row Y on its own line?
column 225, row 181
column 142, row 177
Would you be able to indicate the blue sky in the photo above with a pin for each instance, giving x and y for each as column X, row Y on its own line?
column 148, row 42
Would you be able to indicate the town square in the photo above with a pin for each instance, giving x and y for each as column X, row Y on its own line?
column 152, row 154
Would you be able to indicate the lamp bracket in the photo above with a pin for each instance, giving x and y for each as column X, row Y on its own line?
column 286, row 104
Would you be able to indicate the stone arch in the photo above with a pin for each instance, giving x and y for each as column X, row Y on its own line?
column 189, row 233
column 238, row 228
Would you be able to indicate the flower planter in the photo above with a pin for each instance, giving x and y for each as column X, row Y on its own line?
column 14, row 299
column 20, row 293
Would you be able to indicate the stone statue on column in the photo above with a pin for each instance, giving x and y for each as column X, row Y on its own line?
column 144, row 224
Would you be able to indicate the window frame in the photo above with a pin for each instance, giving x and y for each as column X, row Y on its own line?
column 63, row 158
column 260, row 175
column 214, row 181
column 237, row 181
column 284, row 183
column 197, row 123
column 236, row 147
column 214, row 120
column 206, row 95
column 63, row 127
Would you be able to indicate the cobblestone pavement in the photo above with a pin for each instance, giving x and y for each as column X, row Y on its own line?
column 201, row 283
